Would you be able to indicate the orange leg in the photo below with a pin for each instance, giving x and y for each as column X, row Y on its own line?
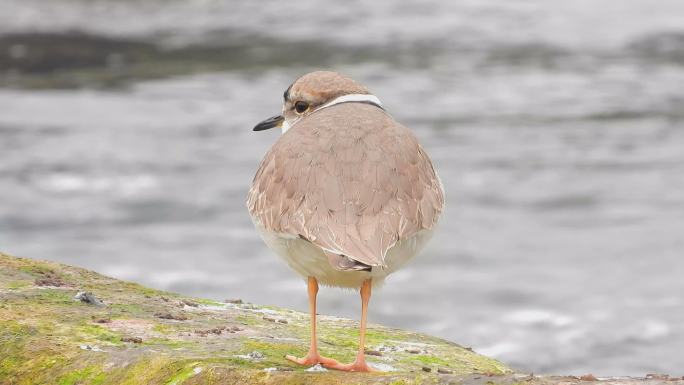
column 359, row 365
column 313, row 358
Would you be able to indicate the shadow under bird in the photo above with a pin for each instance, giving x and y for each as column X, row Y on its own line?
column 345, row 196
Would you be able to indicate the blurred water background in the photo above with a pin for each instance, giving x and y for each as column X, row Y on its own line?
column 556, row 126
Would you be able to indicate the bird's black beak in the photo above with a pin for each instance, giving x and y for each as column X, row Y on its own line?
column 274, row 121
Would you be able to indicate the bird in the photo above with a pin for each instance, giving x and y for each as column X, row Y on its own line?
column 346, row 195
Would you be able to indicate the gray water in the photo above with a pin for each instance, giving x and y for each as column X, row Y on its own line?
column 557, row 128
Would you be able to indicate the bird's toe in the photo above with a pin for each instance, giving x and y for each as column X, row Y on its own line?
column 312, row 359
column 356, row 366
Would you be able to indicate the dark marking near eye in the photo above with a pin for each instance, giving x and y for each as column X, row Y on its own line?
column 286, row 95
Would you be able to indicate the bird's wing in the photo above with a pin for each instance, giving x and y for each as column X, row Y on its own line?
column 350, row 180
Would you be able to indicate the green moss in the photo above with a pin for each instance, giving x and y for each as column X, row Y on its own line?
column 169, row 343
column 183, row 374
column 209, row 302
column 89, row 375
column 150, row 369
column 27, row 356
column 35, row 268
column 162, row 329
column 13, row 337
column 98, row 379
column 9, row 364
column 127, row 309
column 274, row 353
column 148, row 292
column 41, row 328
column 54, row 296
column 428, row 360
column 248, row 319
column 91, row 332
column 348, row 337
column 17, row 284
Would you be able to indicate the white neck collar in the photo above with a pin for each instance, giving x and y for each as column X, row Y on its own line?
column 352, row 98
column 363, row 98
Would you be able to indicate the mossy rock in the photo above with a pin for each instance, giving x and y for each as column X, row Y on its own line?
column 146, row 336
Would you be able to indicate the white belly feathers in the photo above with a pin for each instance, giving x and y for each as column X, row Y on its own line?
column 308, row 260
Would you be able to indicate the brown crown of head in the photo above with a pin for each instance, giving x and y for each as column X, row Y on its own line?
column 320, row 87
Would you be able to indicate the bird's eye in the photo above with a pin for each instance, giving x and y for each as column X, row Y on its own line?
column 301, row 107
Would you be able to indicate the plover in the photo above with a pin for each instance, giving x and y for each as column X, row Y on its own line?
column 345, row 196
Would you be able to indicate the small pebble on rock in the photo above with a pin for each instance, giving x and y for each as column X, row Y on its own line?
column 189, row 303
column 204, row 333
column 135, row 340
column 317, row 368
column 426, row 369
column 90, row 347
column 89, row 298
column 167, row 315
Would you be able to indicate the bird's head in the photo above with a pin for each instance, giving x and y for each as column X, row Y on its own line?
column 312, row 92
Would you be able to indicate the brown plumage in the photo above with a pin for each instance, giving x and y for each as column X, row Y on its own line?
column 354, row 189
column 346, row 196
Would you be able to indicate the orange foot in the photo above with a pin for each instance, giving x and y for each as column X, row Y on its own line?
column 313, row 359
column 356, row 366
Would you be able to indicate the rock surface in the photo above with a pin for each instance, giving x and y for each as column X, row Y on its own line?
column 146, row 336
